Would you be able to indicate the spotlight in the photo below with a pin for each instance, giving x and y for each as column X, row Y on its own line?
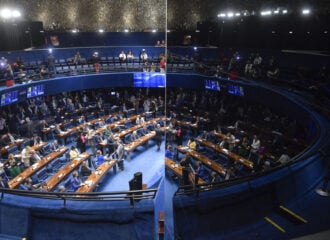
column 16, row 14
column 290, row 32
column 6, row 13
column 74, row 30
column 325, row 32
column 50, row 50
column 197, row 30
column 266, row 13
column 195, row 48
column 101, row 30
column 276, row 11
column 230, row 14
column 305, row 11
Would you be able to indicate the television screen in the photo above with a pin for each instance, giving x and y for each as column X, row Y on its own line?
column 9, row 97
column 149, row 79
column 212, row 85
column 34, row 91
column 235, row 90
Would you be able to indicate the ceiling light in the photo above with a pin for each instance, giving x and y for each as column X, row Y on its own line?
column 5, row 13
column 230, row 14
column 266, row 13
column 284, row 11
column 305, row 11
column 101, row 30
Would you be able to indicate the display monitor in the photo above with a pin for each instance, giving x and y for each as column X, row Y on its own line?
column 9, row 97
column 235, row 90
column 212, row 85
column 34, row 91
column 149, row 79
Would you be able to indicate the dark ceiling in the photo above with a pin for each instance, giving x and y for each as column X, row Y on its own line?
column 138, row 15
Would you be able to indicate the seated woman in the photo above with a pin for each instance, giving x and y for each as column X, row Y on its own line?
column 74, row 182
column 192, row 144
column 73, row 152
column 14, row 169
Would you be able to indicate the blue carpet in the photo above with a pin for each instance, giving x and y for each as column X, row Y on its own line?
column 149, row 161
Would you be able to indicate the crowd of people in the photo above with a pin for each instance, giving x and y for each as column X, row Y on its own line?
column 22, row 73
column 29, row 119
column 255, row 132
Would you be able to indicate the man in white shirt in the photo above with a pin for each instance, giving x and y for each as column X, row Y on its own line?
column 122, row 57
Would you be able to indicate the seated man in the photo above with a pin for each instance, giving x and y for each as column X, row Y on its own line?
column 35, row 157
column 215, row 177
column 122, row 57
column 145, row 130
column 54, row 145
column 134, row 136
column 85, row 170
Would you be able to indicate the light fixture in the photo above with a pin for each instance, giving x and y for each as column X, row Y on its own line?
column 126, row 30
column 237, row 14
column 222, row 15
column 276, row 11
column 266, row 13
column 6, row 13
column 197, row 30
column 195, row 48
column 50, row 50
column 101, row 30
column 74, row 30
column 305, row 11
column 290, row 32
column 284, row 11
column 230, row 14
column 154, row 30
column 16, row 14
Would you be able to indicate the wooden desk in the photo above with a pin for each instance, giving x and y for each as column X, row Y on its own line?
column 66, row 170
column 176, row 168
column 224, row 151
column 187, row 123
column 202, row 158
column 39, row 146
column 15, row 182
column 18, row 142
column 96, row 176
column 142, row 140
